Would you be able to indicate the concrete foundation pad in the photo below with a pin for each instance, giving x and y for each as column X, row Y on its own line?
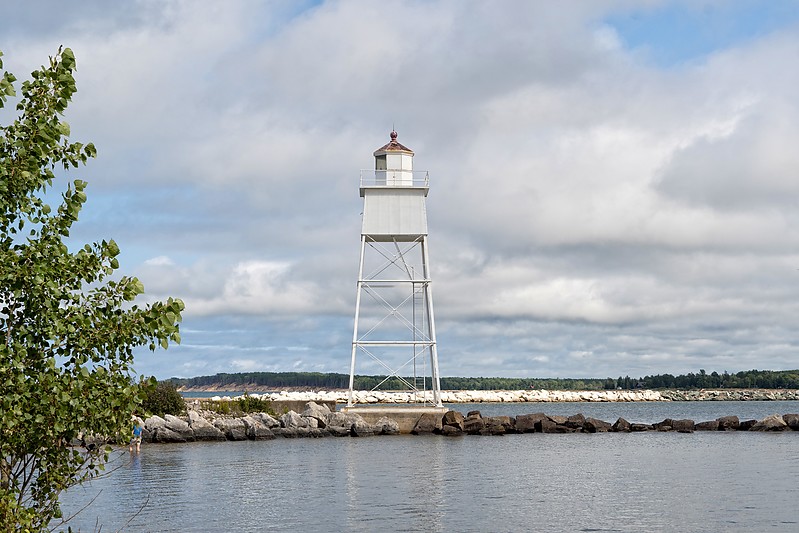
column 406, row 416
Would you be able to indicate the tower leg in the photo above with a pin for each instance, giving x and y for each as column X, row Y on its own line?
column 350, row 400
column 431, row 324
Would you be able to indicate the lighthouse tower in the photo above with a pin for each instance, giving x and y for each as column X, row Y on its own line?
column 394, row 333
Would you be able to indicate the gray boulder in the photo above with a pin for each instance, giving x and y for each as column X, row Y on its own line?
column 710, row 425
column 151, row 425
column 451, row 431
column 386, row 426
column 175, row 424
column 594, row 425
column 683, row 426
column 575, row 421
column 293, row 420
column 621, row 425
column 551, row 424
column 179, row 426
column 427, row 423
column 527, row 423
column 233, row 428
column 197, row 420
column 290, row 433
column 792, row 420
column 154, row 422
column 473, row 424
column 507, row 422
column 339, row 419
column 317, row 412
column 728, row 423
column 770, row 423
column 267, row 420
column 746, row 425
column 494, row 426
column 338, row 431
column 666, row 425
column 340, row 424
column 163, row 434
column 256, row 430
column 202, row 429
column 454, row 419
column 361, row 428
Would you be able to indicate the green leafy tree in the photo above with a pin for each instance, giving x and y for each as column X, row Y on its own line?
column 67, row 327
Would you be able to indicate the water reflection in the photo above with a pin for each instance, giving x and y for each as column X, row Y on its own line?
column 400, row 481
column 711, row 481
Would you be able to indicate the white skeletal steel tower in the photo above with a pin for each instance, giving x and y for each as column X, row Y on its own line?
column 394, row 324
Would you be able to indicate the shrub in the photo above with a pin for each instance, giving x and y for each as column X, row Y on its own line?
column 223, row 408
column 239, row 406
column 163, row 399
column 249, row 404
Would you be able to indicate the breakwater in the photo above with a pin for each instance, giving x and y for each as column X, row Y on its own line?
column 319, row 421
column 499, row 396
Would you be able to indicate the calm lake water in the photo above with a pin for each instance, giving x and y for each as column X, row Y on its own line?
column 705, row 481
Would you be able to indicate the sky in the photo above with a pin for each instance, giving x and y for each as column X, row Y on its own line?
column 613, row 184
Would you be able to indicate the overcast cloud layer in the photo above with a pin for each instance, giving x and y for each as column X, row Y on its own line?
column 613, row 191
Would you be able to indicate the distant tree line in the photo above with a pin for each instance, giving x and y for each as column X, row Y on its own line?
column 749, row 379
column 319, row 380
column 765, row 379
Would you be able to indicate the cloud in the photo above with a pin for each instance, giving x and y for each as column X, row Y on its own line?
column 159, row 261
column 592, row 211
column 259, row 287
column 245, row 365
column 248, row 287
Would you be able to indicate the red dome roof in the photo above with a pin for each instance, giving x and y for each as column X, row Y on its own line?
column 393, row 146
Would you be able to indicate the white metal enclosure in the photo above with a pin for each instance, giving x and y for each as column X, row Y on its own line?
column 394, row 332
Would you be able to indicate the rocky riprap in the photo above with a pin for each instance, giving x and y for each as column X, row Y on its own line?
column 319, row 421
column 315, row 421
column 531, row 395
column 475, row 424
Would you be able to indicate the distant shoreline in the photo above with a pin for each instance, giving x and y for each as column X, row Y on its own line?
column 497, row 396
